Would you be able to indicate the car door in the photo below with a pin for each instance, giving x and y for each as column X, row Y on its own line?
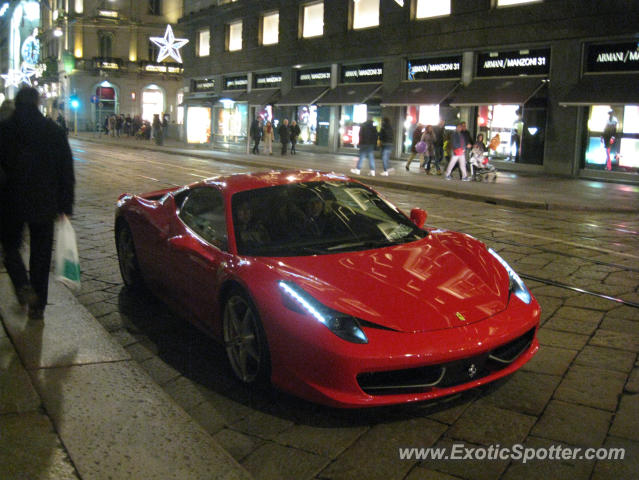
column 198, row 252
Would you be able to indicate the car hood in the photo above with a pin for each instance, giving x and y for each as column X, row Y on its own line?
column 443, row 281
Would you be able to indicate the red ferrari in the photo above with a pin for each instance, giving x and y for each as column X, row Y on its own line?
column 316, row 284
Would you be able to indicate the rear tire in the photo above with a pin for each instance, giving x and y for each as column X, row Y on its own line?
column 245, row 340
column 127, row 258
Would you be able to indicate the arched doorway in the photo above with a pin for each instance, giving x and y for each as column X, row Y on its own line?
column 152, row 102
column 106, row 102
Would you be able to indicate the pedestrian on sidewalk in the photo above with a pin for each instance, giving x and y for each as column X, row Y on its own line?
column 386, row 137
column 460, row 141
column 295, row 133
column 119, row 123
column 439, row 131
column 37, row 161
column 256, row 134
column 269, row 137
column 429, row 138
column 157, row 130
column 285, row 135
column 367, row 142
column 417, row 136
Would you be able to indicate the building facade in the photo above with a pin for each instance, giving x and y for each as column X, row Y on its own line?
column 100, row 61
column 552, row 82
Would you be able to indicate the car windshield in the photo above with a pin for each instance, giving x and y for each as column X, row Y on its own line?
column 317, row 218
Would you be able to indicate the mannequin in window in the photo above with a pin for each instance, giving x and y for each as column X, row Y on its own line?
column 609, row 137
column 515, row 137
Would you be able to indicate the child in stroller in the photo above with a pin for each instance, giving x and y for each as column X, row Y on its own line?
column 480, row 167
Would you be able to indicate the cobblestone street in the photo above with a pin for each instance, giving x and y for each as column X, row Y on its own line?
column 580, row 390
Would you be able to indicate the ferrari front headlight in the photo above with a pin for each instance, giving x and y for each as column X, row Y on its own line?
column 344, row 326
column 517, row 286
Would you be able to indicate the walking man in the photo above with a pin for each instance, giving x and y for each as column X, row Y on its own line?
column 367, row 141
column 35, row 154
column 285, row 135
column 256, row 134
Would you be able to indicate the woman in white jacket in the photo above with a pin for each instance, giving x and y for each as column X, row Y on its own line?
column 268, row 138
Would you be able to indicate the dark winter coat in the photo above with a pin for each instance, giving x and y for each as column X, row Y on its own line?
column 386, row 134
column 295, row 132
column 284, row 133
column 368, row 133
column 256, row 131
column 37, row 161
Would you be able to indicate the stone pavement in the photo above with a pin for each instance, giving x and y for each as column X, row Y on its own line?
column 74, row 404
column 510, row 189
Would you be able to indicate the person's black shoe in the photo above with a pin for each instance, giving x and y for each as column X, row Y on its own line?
column 26, row 295
column 36, row 313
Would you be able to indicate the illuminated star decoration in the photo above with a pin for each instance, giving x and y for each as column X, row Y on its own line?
column 12, row 78
column 169, row 45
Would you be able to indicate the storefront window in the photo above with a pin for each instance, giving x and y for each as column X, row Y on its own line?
column 198, row 125
column 423, row 114
column 613, row 138
column 351, row 117
column 231, row 122
column 314, row 123
column 152, row 102
column 517, row 133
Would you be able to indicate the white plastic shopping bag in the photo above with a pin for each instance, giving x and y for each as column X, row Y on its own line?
column 67, row 261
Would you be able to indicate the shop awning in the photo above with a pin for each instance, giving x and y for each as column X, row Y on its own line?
column 199, row 100
column 351, row 94
column 301, row 96
column 497, row 91
column 234, row 95
column 603, row 90
column 420, row 93
column 260, row 97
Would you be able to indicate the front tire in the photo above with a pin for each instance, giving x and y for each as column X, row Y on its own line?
column 127, row 258
column 245, row 340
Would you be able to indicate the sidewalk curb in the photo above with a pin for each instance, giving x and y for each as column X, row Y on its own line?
column 112, row 419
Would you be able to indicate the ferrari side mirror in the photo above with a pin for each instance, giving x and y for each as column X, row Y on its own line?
column 418, row 217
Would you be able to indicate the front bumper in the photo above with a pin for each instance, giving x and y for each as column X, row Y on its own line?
column 397, row 367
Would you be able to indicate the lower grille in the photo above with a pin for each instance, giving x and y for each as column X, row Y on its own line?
column 423, row 379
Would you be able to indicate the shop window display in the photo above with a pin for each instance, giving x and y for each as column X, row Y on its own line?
column 514, row 133
column 423, row 114
column 314, row 123
column 351, row 117
column 198, row 125
column 613, row 138
column 231, row 122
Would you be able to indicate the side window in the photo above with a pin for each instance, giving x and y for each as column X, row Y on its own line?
column 203, row 212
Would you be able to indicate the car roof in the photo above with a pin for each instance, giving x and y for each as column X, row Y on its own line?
column 251, row 181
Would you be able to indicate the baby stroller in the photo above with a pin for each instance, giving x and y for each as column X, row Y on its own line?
column 480, row 167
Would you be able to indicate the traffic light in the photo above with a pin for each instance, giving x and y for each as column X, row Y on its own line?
column 74, row 102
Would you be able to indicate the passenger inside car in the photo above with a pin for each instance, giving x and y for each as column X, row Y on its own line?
column 249, row 231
